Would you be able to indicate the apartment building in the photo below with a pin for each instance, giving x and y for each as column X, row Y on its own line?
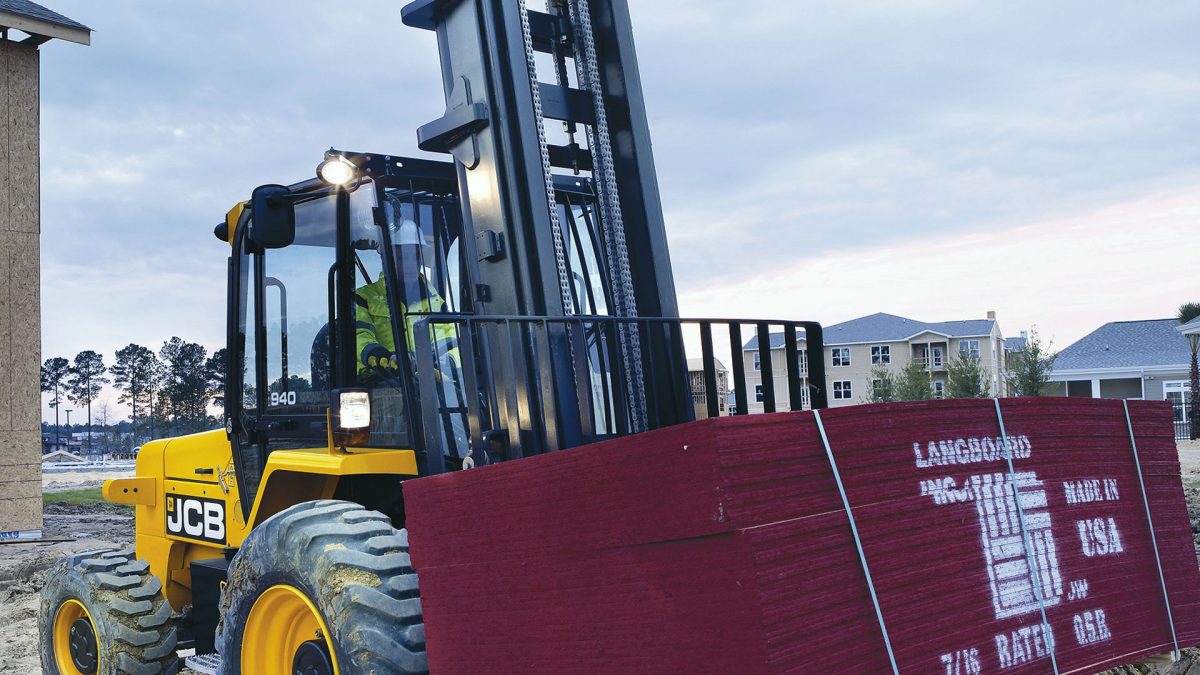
column 696, row 383
column 751, row 358
column 854, row 348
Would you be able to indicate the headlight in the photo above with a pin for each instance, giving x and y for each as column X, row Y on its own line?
column 354, row 410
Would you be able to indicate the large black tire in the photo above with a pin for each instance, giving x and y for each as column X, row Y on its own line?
column 352, row 565
column 133, row 623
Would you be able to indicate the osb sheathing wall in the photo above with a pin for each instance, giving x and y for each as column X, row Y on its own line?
column 20, row 316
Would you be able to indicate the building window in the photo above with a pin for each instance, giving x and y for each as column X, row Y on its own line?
column 881, row 355
column 841, row 356
column 968, row 349
column 939, row 389
column 758, row 393
column 841, row 390
column 802, row 355
column 758, row 360
column 1179, row 393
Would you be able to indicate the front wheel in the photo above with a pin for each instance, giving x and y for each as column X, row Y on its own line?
column 322, row 588
column 103, row 613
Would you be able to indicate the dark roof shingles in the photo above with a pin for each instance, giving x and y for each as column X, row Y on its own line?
column 1128, row 344
column 881, row 327
column 32, row 10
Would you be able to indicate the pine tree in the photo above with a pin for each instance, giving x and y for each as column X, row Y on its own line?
column 1188, row 312
column 1029, row 367
column 184, row 394
column 54, row 376
column 914, row 383
column 136, row 375
column 966, row 378
column 214, row 369
column 881, row 386
column 86, row 381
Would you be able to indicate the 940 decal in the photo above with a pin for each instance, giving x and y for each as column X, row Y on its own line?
column 196, row 518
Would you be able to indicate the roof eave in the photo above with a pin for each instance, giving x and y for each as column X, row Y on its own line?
column 45, row 29
column 1154, row 370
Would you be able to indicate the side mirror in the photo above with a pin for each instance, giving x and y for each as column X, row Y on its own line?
column 273, row 217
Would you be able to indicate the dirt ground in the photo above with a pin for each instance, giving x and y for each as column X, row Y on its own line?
column 23, row 566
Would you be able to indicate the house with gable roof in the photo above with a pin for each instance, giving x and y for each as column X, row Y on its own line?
column 1130, row 359
column 854, row 348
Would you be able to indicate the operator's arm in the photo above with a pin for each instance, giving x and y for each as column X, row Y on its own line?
column 371, row 354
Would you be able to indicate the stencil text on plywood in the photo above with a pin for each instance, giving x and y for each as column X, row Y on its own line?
column 1020, row 554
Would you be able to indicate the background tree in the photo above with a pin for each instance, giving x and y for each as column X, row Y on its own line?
column 1029, row 367
column 1189, row 312
column 54, row 377
column 86, row 381
column 881, row 385
column 104, row 412
column 184, row 394
column 214, row 369
column 965, row 378
column 914, row 384
column 135, row 376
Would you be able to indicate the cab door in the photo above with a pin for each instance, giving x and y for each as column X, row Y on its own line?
column 285, row 333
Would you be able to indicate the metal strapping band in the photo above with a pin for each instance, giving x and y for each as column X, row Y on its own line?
column 1153, row 539
column 1029, row 557
column 862, row 558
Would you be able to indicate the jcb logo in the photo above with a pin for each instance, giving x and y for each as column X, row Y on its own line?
column 196, row 518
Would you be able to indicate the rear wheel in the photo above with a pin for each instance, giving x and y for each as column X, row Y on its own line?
column 323, row 588
column 103, row 613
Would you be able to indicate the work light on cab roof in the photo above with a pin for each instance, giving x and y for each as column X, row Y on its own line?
column 336, row 170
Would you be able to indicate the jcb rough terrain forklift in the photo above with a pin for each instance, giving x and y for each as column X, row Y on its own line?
column 398, row 318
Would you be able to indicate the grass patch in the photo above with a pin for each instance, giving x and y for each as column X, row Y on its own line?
column 81, row 497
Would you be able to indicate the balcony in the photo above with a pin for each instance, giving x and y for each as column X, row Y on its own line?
column 938, row 363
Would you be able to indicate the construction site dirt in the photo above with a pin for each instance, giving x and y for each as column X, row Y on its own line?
column 70, row 528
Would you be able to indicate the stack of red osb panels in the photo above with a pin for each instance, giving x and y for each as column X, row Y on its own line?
column 722, row 546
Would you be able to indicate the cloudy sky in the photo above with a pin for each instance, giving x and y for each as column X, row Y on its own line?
column 817, row 160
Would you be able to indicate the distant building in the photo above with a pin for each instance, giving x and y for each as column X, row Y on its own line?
column 1015, row 344
column 1127, row 359
column 62, row 457
column 699, row 392
column 751, row 358
column 60, row 442
column 854, row 348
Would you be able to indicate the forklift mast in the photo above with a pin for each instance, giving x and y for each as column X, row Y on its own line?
column 495, row 127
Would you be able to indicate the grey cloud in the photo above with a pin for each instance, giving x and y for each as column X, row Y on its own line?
column 782, row 130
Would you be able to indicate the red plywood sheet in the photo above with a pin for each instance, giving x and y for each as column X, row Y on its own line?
column 723, row 545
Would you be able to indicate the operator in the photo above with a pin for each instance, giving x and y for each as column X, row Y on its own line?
column 378, row 361
column 373, row 317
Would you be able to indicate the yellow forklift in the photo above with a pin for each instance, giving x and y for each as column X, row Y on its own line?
column 395, row 318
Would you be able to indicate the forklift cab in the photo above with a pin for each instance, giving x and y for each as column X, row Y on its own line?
column 320, row 279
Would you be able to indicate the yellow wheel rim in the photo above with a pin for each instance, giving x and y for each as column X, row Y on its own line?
column 281, row 620
column 68, row 629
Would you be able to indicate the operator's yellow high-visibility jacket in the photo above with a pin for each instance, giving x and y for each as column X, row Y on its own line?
column 373, row 322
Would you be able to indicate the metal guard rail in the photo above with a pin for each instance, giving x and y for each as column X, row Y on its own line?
column 509, row 425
